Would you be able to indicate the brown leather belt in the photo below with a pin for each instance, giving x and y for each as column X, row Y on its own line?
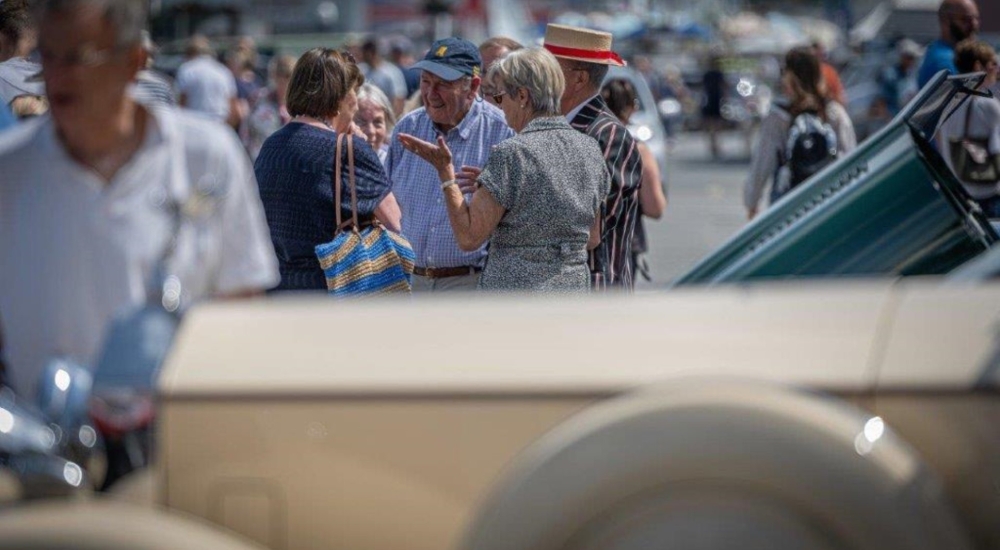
column 441, row 272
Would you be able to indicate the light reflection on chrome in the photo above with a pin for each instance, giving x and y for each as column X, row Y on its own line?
column 48, row 437
column 873, row 431
column 6, row 421
column 62, row 380
column 87, row 436
column 172, row 293
column 73, row 474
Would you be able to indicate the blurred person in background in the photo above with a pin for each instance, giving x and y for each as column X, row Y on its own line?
column 490, row 50
column 383, row 73
column 623, row 100
column 295, row 169
column 18, row 37
column 401, row 55
column 241, row 59
column 77, row 189
column 899, row 82
column 375, row 118
column 449, row 87
column 207, row 86
column 539, row 195
column 656, row 81
column 803, row 87
column 152, row 86
column 957, row 21
column 584, row 56
column 978, row 117
column 714, row 88
column 831, row 78
column 270, row 111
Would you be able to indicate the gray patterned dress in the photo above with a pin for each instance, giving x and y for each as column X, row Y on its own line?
column 551, row 179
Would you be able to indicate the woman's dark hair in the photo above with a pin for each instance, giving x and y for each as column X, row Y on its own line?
column 355, row 78
column 805, row 78
column 620, row 95
column 320, row 80
column 970, row 51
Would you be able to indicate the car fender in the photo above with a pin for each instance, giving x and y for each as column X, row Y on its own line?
column 703, row 464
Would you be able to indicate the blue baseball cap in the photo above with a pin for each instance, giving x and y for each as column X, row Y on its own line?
column 451, row 59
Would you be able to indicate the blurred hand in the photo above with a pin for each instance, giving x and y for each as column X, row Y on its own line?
column 467, row 179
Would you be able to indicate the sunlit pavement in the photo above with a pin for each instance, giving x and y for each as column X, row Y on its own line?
column 705, row 205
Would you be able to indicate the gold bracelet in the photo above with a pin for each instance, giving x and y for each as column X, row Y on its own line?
column 447, row 184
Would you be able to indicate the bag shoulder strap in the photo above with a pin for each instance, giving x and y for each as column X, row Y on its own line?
column 337, row 172
column 336, row 184
column 968, row 116
column 354, row 187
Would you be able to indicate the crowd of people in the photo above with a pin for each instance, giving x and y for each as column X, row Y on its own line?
column 812, row 108
column 506, row 168
column 533, row 186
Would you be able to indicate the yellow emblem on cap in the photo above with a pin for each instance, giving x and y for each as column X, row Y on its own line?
column 440, row 51
column 475, row 70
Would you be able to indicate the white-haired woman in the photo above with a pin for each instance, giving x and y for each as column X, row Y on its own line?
column 375, row 118
column 538, row 196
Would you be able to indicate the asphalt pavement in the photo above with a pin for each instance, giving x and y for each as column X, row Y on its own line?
column 704, row 205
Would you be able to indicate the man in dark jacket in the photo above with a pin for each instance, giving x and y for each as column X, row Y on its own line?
column 584, row 56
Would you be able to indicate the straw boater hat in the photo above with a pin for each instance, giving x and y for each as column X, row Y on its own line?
column 581, row 45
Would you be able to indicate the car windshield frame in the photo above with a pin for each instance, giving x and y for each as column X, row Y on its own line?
column 939, row 100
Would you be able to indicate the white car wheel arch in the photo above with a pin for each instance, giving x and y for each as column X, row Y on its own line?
column 748, row 463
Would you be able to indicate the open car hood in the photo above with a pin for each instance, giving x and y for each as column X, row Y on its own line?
column 891, row 207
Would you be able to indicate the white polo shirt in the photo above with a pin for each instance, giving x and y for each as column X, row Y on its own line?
column 76, row 252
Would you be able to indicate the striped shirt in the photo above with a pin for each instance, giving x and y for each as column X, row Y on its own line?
column 417, row 186
column 611, row 262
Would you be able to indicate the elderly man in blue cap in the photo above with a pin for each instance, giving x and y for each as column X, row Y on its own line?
column 449, row 88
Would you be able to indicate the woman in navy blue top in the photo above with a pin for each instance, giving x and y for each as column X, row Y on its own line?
column 295, row 168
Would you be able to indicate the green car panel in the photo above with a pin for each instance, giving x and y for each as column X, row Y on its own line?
column 889, row 208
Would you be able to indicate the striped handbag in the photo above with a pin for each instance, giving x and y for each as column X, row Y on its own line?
column 362, row 261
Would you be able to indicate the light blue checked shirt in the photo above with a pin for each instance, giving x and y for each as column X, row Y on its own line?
column 418, row 189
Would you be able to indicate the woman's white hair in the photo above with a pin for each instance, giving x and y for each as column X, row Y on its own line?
column 373, row 93
column 537, row 71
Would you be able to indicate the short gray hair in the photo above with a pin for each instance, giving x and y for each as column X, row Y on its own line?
column 128, row 17
column 537, row 71
column 371, row 92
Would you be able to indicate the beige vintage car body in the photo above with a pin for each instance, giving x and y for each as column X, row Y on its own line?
column 306, row 423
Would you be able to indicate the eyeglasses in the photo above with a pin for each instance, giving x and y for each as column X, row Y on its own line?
column 498, row 97
column 87, row 56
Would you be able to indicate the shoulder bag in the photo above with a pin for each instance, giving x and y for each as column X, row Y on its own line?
column 971, row 157
column 362, row 261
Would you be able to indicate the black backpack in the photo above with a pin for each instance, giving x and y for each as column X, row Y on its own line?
column 811, row 145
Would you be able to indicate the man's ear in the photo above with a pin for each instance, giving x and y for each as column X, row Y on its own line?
column 474, row 85
column 578, row 79
column 137, row 57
